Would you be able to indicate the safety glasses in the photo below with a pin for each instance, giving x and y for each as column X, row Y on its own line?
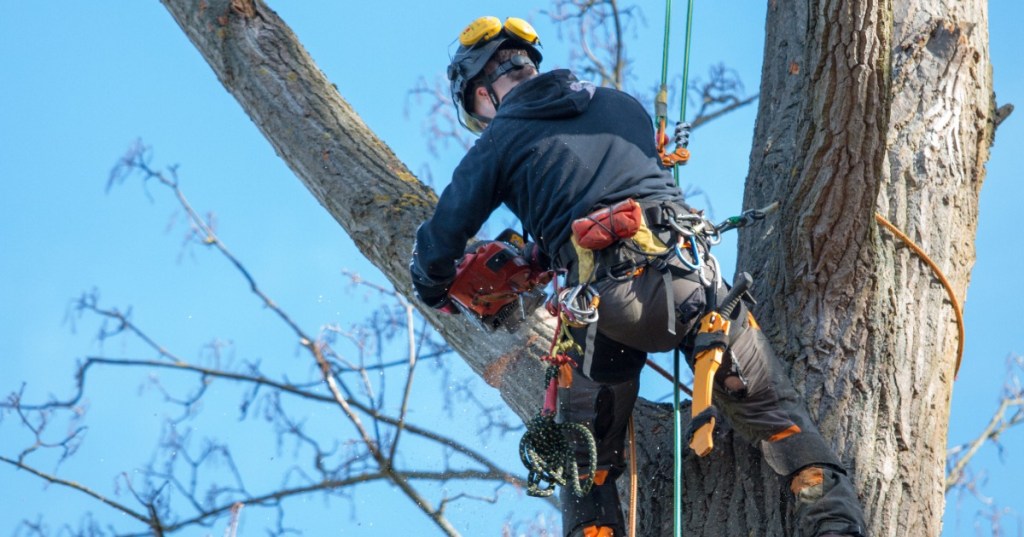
column 484, row 29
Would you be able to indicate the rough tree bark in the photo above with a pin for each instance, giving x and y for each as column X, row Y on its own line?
column 872, row 106
column 881, row 104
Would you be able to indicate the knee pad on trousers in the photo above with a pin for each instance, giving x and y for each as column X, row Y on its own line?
column 808, row 484
column 599, row 508
column 826, row 502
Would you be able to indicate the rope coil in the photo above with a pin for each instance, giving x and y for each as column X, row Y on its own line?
column 550, row 458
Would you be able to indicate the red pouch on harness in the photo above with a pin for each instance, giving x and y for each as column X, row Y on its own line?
column 603, row 227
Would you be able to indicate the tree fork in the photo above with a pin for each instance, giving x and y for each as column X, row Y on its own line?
column 365, row 187
column 886, row 108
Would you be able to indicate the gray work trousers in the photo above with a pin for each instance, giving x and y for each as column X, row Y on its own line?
column 633, row 320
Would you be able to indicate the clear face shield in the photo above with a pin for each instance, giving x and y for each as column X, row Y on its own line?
column 474, row 125
column 472, row 122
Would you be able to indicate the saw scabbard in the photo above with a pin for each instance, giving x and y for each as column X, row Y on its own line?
column 715, row 327
column 710, row 346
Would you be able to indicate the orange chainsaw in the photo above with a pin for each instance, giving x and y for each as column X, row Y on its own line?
column 496, row 285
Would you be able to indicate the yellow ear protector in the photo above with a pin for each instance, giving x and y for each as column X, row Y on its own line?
column 486, row 28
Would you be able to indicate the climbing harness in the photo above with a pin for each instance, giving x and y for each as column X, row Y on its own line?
column 957, row 310
column 545, row 448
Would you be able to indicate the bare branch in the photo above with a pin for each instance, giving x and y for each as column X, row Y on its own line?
column 599, row 31
column 1009, row 413
column 81, row 488
column 409, row 378
column 720, row 94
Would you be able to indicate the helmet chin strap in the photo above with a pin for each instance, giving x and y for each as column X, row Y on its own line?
column 514, row 63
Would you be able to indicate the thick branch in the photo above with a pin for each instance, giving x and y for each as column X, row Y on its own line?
column 351, row 172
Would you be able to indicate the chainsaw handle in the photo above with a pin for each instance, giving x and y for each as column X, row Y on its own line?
column 731, row 300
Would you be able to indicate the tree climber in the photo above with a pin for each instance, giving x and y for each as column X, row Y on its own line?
column 555, row 150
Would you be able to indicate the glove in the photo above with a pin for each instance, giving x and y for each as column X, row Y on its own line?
column 443, row 304
column 682, row 135
column 431, row 292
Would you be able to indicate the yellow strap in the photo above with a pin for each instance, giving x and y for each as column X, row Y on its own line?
column 646, row 240
column 584, row 262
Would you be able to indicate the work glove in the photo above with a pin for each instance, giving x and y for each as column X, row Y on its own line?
column 431, row 292
column 682, row 134
column 443, row 303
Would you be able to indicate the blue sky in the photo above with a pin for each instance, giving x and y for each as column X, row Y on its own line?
column 83, row 80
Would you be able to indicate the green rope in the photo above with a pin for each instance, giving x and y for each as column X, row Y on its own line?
column 661, row 101
column 661, row 111
column 686, row 58
column 686, row 72
column 664, row 48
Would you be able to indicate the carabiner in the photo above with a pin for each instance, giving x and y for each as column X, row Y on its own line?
column 696, row 265
column 578, row 305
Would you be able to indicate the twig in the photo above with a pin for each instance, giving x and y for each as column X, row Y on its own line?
column 81, row 488
column 996, row 426
column 408, row 379
column 958, row 457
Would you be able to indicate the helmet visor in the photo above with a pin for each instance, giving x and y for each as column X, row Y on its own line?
column 470, row 121
column 474, row 123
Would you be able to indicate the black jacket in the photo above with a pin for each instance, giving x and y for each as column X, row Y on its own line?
column 556, row 149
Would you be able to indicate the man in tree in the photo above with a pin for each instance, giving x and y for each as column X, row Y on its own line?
column 560, row 152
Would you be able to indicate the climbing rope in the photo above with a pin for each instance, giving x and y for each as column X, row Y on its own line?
column 942, row 278
column 633, row 478
column 680, row 156
column 549, row 457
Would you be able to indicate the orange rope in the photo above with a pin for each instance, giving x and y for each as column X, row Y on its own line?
column 632, row 479
column 942, row 278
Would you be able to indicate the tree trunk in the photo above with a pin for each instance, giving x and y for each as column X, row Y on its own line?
column 841, row 130
column 868, row 107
